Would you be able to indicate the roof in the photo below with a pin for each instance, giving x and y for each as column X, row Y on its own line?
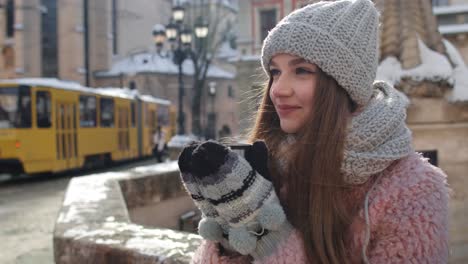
column 226, row 51
column 231, row 4
column 74, row 86
column 49, row 82
column 158, row 63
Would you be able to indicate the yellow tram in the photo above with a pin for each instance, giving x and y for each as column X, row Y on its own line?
column 48, row 125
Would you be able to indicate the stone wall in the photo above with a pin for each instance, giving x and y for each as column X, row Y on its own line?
column 443, row 127
column 94, row 224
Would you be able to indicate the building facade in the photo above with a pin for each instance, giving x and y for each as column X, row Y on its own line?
column 452, row 17
column 150, row 73
column 72, row 39
column 20, row 38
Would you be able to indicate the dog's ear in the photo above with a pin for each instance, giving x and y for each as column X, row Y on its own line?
column 257, row 156
column 207, row 158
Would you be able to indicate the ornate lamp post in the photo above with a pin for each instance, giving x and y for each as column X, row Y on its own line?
column 159, row 34
column 180, row 37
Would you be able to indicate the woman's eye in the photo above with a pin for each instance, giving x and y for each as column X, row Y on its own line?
column 303, row 71
column 274, row 72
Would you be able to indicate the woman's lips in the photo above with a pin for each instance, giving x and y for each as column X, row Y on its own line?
column 284, row 110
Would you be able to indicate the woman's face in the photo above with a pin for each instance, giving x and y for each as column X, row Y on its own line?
column 294, row 82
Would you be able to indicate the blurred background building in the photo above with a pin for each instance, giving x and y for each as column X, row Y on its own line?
column 110, row 43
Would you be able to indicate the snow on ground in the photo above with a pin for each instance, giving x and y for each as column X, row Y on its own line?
column 180, row 141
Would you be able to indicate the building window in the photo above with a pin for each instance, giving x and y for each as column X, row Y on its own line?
column 49, row 39
column 107, row 112
column 8, row 58
column 431, row 155
column 439, row 2
column 87, row 111
column 10, row 18
column 447, row 19
column 267, row 22
column 43, row 109
column 132, row 85
column 231, row 91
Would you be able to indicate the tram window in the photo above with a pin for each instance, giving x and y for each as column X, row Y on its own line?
column 150, row 118
column 43, row 109
column 87, row 111
column 132, row 108
column 107, row 112
column 24, row 100
column 15, row 107
column 163, row 115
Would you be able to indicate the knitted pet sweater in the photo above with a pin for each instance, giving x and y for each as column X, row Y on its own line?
column 406, row 220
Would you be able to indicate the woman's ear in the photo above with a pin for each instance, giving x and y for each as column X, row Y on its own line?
column 257, row 156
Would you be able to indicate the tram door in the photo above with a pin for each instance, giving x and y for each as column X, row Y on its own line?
column 123, row 133
column 140, row 127
column 66, row 137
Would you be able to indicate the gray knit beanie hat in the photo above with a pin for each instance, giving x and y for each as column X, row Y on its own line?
column 340, row 37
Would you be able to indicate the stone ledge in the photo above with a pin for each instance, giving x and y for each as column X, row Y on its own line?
column 93, row 225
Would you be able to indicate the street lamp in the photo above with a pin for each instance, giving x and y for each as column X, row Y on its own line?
column 159, row 34
column 180, row 37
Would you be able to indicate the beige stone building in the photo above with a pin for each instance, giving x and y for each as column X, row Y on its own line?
column 47, row 38
column 115, row 28
column 150, row 73
column 152, row 70
column 452, row 18
column 86, row 40
column 20, row 38
column 411, row 47
column 135, row 20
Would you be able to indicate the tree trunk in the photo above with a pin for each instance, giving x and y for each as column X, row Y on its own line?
column 199, row 83
column 196, row 108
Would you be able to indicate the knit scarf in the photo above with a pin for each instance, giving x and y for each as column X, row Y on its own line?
column 377, row 136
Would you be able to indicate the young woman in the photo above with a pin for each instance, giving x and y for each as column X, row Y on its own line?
column 340, row 158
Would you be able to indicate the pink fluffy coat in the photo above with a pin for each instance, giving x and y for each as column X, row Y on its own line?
column 408, row 216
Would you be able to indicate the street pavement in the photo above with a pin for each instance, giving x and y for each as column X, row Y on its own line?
column 28, row 209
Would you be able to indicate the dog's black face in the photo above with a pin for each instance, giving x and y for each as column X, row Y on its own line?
column 185, row 157
column 207, row 158
column 203, row 159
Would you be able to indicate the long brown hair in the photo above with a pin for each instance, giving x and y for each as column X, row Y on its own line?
column 315, row 200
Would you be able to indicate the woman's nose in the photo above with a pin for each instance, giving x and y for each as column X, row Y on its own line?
column 282, row 87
